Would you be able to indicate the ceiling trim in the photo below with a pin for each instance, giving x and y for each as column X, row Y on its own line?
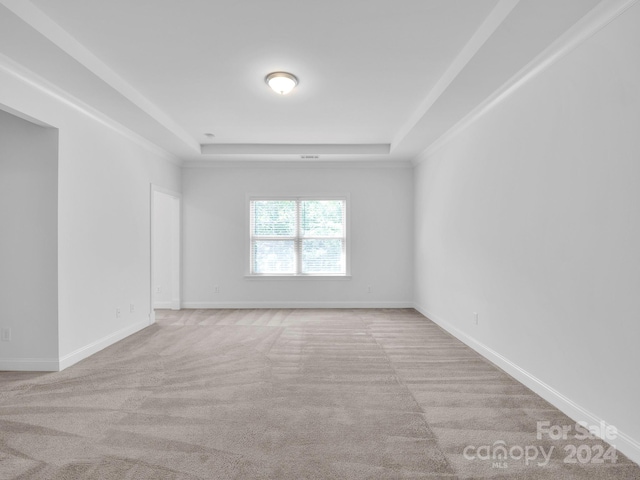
column 38, row 20
column 481, row 35
column 289, row 163
column 295, row 149
column 17, row 113
column 599, row 17
column 35, row 81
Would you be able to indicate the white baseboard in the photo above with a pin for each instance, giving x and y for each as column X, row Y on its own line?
column 624, row 443
column 29, row 364
column 94, row 347
column 163, row 305
column 283, row 304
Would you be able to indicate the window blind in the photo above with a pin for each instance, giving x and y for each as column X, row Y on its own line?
column 298, row 236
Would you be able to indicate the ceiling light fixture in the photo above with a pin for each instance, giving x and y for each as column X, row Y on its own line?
column 281, row 82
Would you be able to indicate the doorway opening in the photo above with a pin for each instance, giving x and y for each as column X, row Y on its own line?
column 165, row 250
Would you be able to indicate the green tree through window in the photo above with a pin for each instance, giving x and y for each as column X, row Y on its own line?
column 300, row 236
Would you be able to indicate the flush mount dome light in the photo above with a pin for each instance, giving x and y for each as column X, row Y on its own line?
column 281, row 82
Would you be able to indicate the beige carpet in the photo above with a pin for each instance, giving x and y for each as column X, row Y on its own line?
column 284, row 394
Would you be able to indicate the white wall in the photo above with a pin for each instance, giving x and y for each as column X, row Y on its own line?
column 531, row 217
column 215, row 229
column 104, row 176
column 28, row 242
column 164, row 210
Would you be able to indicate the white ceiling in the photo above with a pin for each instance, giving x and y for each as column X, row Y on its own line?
column 379, row 79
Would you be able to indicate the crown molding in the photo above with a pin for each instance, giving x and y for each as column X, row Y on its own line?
column 495, row 18
column 39, row 83
column 599, row 17
column 44, row 25
column 295, row 148
column 295, row 163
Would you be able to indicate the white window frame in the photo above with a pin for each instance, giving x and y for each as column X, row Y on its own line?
column 298, row 198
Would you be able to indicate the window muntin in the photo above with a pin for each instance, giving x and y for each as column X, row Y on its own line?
column 298, row 236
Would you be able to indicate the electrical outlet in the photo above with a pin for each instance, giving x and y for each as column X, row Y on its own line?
column 132, row 308
column 369, row 289
column 5, row 334
column 475, row 318
column 158, row 289
column 117, row 313
column 216, row 289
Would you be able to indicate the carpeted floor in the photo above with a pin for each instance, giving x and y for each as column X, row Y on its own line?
column 287, row 395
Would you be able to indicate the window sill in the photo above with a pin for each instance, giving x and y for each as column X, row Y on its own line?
column 296, row 277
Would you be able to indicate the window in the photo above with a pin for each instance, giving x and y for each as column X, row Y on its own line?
column 298, row 236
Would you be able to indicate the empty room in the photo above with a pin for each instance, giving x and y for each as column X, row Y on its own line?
column 288, row 240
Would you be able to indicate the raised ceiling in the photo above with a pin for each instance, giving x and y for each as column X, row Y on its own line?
column 379, row 79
